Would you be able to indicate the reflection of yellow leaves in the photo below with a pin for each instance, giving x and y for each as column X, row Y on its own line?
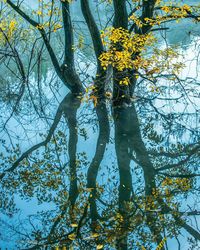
column 99, row 246
column 80, row 42
column 74, row 225
column 39, row 12
column 119, row 217
column 154, row 89
column 94, row 98
column 94, row 235
column 72, row 236
column 89, row 189
column 108, row 94
column 110, row 239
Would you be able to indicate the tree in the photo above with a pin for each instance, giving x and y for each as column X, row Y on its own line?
column 125, row 46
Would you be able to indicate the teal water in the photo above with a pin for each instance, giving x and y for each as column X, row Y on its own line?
column 82, row 175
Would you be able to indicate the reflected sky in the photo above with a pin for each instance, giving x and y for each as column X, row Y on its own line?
column 77, row 173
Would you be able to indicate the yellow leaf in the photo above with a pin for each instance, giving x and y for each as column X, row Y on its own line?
column 94, row 98
column 99, row 246
column 94, row 235
column 72, row 236
column 39, row 12
column 89, row 189
column 74, row 225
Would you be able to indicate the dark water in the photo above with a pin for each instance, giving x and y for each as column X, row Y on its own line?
column 102, row 177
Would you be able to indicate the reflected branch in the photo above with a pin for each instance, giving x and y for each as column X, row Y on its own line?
column 41, row 144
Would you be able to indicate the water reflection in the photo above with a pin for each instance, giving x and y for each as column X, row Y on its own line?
column 152, row 203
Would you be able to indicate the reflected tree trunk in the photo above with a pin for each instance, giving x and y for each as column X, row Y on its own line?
column 70, row 106
column 128, row 140
column 122, row 133
column 138, row 147
column 103, row 139
column 70, row 110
